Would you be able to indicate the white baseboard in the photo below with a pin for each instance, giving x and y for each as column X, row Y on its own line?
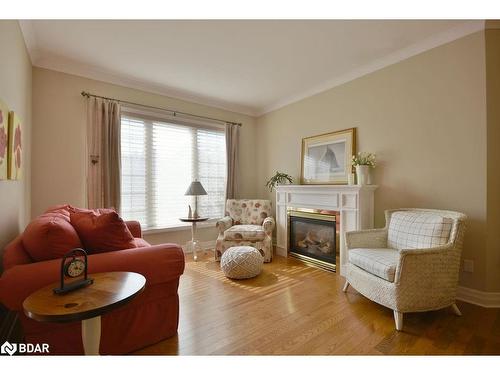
column 478, row 297
column 205, row 245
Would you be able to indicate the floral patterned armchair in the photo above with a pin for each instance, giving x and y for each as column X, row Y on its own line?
column 247, row 223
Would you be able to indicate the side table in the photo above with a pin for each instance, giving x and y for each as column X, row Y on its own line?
column 109, row 291
column 194, row 243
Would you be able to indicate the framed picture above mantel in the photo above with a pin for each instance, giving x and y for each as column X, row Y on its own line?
column 326, row 158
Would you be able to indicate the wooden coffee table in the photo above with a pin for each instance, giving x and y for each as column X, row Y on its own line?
column 109, row 291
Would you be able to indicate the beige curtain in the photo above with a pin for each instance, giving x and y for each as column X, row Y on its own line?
column 104, row 160
column 232, row 133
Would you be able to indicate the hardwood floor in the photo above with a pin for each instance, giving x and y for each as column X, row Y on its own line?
column 295, row 309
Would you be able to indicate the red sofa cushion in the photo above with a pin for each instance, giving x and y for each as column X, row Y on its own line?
column 50, row 236
column 64, row 209
column 15, row 254
column 102, row 230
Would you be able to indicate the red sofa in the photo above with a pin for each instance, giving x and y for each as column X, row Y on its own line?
column 151, row 317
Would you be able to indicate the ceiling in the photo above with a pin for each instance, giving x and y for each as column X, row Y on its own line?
column 250, row 67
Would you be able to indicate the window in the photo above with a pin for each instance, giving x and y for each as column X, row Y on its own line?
column 160, row 158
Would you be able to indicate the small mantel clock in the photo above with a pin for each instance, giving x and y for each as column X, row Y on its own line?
column 73, row 265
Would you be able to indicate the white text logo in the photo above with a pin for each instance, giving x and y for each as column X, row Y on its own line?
column 10, row 349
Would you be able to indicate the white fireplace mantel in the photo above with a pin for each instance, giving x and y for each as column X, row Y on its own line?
column 354, row 202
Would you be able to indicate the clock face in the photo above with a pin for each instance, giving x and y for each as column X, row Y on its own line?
column 75, row 268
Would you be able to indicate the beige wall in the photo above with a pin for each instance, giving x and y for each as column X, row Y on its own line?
column 59, row 147
column 493, row 115
column 425, row 117
column 15, row 91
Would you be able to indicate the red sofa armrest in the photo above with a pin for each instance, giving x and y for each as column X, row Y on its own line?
column 159, row 264
column 135, row 228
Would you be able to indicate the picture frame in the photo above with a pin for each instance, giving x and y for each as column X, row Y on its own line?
column 326, row 158
column 4, row 141
column 15, row 149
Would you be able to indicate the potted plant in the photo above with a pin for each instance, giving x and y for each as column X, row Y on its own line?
column 363, row 161
column 279, row 178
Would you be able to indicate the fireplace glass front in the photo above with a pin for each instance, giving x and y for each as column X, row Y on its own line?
column 313, row 237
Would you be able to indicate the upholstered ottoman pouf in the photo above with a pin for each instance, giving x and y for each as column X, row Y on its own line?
column 241, row 262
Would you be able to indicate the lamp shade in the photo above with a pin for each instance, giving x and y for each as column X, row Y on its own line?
column 196, row 188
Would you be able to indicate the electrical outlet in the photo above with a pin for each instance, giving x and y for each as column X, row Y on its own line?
column 468, row 265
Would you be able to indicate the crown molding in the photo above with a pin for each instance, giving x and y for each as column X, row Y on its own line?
column 468, row 27
column 30, row 41
column 72, row 67
column 68, row 66
column 65, row 65
column 492, row 24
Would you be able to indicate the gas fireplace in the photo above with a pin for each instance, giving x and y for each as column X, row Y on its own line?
column 314, row 236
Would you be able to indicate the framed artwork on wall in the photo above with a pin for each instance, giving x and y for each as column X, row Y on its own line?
column 326, row 158
column 15, row 147
column 4, row 127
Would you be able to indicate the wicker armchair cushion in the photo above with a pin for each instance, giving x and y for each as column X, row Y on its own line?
column 378, row 262
column 245, row 232
column 418, row 230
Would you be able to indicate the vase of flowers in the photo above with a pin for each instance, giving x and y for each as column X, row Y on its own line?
column 363, row 162
column 279, row 178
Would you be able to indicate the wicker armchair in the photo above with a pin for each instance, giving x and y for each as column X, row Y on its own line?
column 412, row 264
column 247, row 223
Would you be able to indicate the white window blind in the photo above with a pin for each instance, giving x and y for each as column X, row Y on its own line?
column 160, row 158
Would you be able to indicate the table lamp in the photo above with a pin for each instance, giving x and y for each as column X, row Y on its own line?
column 195, row 189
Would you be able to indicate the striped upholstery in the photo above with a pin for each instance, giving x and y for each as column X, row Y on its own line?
column 378, row 262
column 418, row 230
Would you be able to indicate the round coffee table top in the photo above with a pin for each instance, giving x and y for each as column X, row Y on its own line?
column 109, row 291
column 193, row 219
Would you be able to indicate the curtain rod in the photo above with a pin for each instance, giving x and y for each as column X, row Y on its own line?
column 175, row 113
